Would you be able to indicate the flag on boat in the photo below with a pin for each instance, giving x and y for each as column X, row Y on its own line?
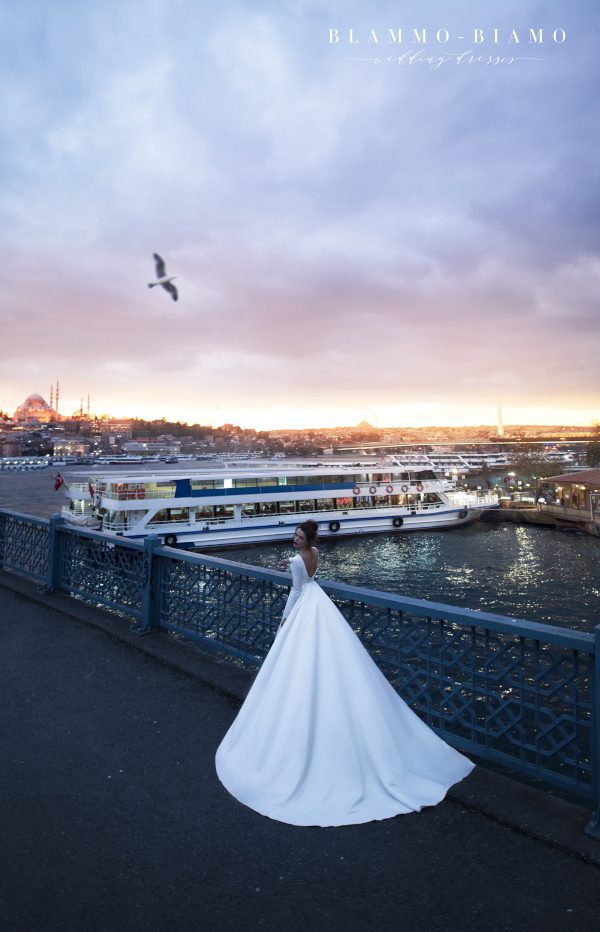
column 91, row 488
column 58, row 481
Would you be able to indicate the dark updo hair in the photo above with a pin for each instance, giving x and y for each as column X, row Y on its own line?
column 310, row 530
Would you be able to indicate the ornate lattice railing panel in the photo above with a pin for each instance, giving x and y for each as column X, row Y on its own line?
column 238, row 611
column 24, row 544
column 505, row 695
column 108, row 574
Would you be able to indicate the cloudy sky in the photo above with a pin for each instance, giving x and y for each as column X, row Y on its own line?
column 390, row 230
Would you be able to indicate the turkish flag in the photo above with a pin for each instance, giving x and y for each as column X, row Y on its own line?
column 91, row 488
column 58, row 481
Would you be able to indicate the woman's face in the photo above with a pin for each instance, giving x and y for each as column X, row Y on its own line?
column 300, row 539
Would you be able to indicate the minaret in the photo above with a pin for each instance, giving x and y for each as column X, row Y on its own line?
column 88, row 407
column 57, row 395
column 52, row 396
column 500, row 423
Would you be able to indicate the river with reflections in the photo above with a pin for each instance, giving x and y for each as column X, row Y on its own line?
column 520, row 571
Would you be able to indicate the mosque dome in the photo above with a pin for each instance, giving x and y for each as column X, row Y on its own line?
column 35, row 408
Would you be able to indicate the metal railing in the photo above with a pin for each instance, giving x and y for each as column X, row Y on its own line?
column 567, row 511
column 521, row 695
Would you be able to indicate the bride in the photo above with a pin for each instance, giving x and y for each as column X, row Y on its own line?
column 323, row 738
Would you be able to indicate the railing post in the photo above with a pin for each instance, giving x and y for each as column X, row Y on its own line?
column 150, row 598
column 593, row 826
column 3, row 523
column 54, row 553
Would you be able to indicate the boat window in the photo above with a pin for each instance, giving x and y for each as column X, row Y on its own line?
column 325, row 504
column 245, row 483
column 159, row 517
column 306, row 504
column 266, row 481
column 285, row 508
column 339, row 479
column 224, row 511
column 281, row 480
column 202, row 484
column 425, row 474
column 204, row 513
column 166, row 515
column 249, row 510
column 344, row 502
column 268, row 508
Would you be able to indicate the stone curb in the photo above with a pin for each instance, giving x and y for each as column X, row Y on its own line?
column 537, row 813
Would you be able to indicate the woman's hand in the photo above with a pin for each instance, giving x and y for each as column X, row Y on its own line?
column 283, row 564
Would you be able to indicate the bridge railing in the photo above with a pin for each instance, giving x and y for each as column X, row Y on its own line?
column 523, row 696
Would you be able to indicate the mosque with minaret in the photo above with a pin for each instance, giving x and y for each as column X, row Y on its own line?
column 35, row 408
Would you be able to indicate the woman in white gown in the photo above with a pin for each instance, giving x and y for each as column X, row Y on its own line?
column 323, row 738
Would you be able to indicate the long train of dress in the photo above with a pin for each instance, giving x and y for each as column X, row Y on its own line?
column 323, row 738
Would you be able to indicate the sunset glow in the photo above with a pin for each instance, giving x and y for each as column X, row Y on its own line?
column 352, row 238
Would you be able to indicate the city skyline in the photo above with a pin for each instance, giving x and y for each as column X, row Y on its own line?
column 353, row 234
column 35, row 406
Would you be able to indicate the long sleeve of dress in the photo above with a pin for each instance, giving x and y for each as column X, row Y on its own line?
column 296, row 589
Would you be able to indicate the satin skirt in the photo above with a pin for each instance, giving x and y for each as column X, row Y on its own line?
column 323, row 738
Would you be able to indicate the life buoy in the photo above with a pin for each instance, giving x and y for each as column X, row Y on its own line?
column 170, row 540
column 398, row 522
column 462, row 514
column 419, row 486
column 404, row 488
column 372, row 489
column 356, row 490
column 389, row 489
column 334, row 526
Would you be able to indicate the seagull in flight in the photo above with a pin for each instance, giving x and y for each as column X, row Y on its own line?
column 161, row 274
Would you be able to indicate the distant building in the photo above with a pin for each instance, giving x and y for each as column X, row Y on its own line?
column 152, row 446
column 10, row 444
column 35, row 410
column 71, row 447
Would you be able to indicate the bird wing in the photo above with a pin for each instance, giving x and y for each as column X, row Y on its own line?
column 161, row 270
column 170, row 287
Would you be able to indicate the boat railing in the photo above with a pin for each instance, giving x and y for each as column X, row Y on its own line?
column 473, row 498
column 137, row 494
column 520, row 695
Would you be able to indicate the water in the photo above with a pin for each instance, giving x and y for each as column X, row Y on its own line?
column 520, row 571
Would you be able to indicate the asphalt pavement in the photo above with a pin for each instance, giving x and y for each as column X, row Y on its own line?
column 113, row 818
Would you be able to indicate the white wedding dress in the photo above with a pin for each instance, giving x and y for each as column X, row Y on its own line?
column 323, row 738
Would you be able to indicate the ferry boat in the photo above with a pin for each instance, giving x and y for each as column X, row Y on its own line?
column 243, row 505
column 464, row 463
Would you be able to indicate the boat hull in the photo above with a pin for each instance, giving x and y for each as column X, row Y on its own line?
column 237, row 534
